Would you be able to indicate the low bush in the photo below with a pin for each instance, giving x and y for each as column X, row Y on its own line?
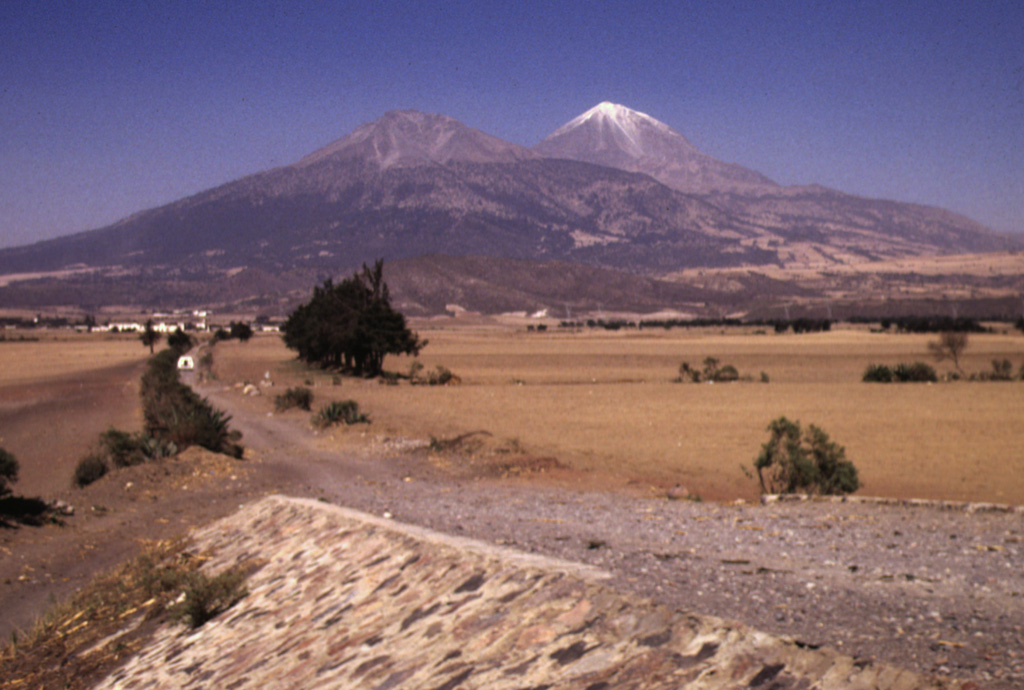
column 1002, row 370
column 207, row 596
column 711, row 372
column 795, row 461
column 90, row 468
column 300, row 397
column 8, row 471
column 336, row 412
column 122, row 449
column 915, row 372
column 877, row 373
column 440, row 376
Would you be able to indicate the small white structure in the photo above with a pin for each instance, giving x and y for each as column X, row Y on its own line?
column 186, row 363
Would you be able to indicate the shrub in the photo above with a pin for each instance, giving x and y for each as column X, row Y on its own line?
column 346, row 411
column 912, row 373
column 90, row 468
column 794, row 461
column 300, row 397
column 901, row 373
column 711, row 372
column 726, row 374
column 877, row 373
column 688, row 372
column 440, row 376
column 1002, row 370
column 122, row 449
column 8, row 471
column 206, row 596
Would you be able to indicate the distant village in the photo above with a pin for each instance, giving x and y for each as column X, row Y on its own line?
column 196, row 321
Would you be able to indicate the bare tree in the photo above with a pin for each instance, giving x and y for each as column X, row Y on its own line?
column 950, row 345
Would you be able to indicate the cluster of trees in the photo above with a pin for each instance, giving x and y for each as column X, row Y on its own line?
column 236, row 330
column 350, row 326
column 801, row 325
column 933, row 324
column 179, row 340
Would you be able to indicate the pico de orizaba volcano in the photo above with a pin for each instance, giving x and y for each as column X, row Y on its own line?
column 612, row 189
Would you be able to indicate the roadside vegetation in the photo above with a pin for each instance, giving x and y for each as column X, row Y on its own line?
column 175, row 417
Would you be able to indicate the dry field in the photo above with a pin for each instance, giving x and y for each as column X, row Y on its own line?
column 58, row 393
column 606, row 405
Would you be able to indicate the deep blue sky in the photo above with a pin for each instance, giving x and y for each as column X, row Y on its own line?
column 108, row 108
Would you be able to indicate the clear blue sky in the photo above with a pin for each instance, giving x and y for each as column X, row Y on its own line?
column 108, row 108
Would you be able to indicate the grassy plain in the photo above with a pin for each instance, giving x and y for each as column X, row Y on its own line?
column 606, row 405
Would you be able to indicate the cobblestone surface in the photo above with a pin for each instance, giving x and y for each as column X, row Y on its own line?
column 343, row 599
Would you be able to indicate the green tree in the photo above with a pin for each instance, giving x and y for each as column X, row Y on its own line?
column 240, row 331
column 351, row 325
column 794, row 461
column 149, row 336
column 180, row 341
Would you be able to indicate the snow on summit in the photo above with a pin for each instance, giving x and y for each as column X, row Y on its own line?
column 618, row 127
column 613, row 135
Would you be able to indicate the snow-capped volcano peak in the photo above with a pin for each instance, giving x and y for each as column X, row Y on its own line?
column 626, row 127
column 619, row 137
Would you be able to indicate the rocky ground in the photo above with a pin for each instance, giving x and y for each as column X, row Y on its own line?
column 925, row 588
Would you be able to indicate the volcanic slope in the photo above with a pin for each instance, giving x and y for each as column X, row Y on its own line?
column 800, row 224
column 412, row 184
column 625, row 191
column 612, row 189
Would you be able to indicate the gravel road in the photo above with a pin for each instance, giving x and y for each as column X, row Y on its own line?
column 933, row 590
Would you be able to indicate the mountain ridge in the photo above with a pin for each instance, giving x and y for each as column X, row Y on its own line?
column 412, row 184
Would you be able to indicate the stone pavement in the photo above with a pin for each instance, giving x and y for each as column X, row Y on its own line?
column 347, row 600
